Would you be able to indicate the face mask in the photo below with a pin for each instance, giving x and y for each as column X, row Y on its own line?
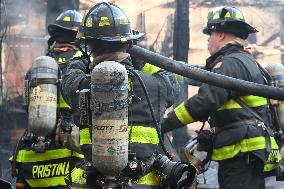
column 62, row 55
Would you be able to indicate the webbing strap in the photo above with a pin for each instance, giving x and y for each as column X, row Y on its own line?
column 267, row 130
column 37, row 81
column 98, row 106
column 255, row 114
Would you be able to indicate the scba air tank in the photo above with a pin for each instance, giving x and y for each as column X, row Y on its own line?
column 42, row 104
column 109, row 104
column 276, row 71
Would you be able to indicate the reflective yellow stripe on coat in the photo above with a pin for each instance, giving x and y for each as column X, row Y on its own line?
column 77, row 54
column 142, row 134
column 252, row 101
column 139, row 134
column 150, row 69
column 63, row 103
column 85, row 137
column 151, row 179
column 183, row 115
column 25, row 156
column 245, row 145
column 54, row 181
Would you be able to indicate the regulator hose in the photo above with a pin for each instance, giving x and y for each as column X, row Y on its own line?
column 136, row 74
column 204, row 76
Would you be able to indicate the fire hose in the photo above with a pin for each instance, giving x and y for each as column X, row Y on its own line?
column 208, row 77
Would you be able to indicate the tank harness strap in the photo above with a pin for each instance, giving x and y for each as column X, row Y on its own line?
column 111, row 106
column 260, row 122
column 36, row 81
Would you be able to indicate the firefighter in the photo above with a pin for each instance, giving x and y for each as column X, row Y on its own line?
column 107, row 32
column 48, row 167
column 242, row 144
column 61, row 46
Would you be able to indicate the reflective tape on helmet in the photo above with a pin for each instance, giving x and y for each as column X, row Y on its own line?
column 123, row 20
column 229, row 12
column 183, row 115
column 89, row 22
column 67, row 19
column 252, row 101
column 142, row 134
column 32, row 156
column 216, row 16
column 104, row 21
column 150, row 69
column 245, row 145
column 227, row 15
column 46, row 182
column 239, row 15
column 63, row 103
column 85, row 137
column 151, row 179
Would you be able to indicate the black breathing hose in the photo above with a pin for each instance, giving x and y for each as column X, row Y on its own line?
column 151, row 110
column 204, row 76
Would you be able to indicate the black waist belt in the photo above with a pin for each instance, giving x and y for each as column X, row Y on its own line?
column 235, row 124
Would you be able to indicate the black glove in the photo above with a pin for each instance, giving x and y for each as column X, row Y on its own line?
column 94, row 179
column 205, row 140
column 85, row 83
column 138, row 64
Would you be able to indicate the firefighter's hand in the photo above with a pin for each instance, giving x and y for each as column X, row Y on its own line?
column 166, row 126
column 170, row 123
column 68, row 138
column 205, row 140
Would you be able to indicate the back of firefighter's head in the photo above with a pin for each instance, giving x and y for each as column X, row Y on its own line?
column 106, row 28
column 225, row 24
column 65, row 27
